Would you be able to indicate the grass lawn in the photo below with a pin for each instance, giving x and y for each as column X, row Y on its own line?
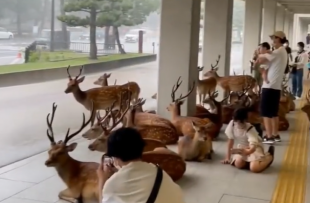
column 60, row 64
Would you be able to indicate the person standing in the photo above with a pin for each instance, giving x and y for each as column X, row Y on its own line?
column 297, row 72
column 271, row 92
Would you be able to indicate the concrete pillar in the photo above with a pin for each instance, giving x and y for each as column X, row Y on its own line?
column 252, row 30
column 217, row 34
column 280, row 19
column 269, row 19
column 178, row 52
column 297, row 31
column 287, row 19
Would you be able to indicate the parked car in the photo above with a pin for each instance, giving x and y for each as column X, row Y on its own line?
column 4, row 34
column 86, row 37
column 133, row 35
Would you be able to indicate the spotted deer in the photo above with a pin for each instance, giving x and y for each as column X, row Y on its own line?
column 196, row 148
column 205, row 86
column 306, row 106
column 183, row 124
column 80, row 177
column 132, row 86
column 102, row 97
column 230, row 83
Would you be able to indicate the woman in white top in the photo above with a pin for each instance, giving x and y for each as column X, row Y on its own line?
column 134, row 180
column 297, row 71
column 249, row 152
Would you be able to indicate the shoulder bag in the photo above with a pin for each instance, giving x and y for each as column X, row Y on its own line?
column 156, row 187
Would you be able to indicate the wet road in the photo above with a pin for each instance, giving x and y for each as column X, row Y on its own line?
column 24, row 109
column 10, row 48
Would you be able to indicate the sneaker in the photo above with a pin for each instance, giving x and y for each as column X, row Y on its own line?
column 268, row 140
column 277, row 138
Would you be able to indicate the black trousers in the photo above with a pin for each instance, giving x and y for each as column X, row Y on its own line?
column 269, row 104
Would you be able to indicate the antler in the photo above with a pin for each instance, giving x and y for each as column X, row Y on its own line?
column 69, row 75
column 84, row 124
column 50, row 132
column 200, row 68
column 215, row 94
column 176, row 87
column 216, row 64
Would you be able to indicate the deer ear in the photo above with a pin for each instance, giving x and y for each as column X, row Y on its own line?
column 71, row 147
column 81, row 79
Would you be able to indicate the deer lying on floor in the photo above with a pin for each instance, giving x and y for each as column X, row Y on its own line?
column 101, row 97
column 80, row 177
column 132, row 86
column 197, row 148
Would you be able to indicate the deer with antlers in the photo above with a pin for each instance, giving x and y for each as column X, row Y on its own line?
column 205, row 86
column 102, row 97
column 80, row 177
column 132, row 86
column 184, row 124
column 230, row 83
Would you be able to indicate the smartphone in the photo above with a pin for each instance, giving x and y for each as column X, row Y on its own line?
column 236, row 151
column 106, row 160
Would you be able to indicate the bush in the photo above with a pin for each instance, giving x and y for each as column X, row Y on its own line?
column 34, row 56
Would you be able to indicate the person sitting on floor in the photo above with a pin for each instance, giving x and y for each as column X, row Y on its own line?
column 249, row 153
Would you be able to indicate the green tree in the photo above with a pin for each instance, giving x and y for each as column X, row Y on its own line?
column 93, row 8
column 127, row 13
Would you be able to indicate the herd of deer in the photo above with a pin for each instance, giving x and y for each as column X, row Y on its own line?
column 122, row 105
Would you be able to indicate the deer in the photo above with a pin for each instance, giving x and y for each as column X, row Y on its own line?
column 306, row 106
column 102, row 97
column 205, row 86
column 80, row 177
column 183, row 124
column 230, row 83
column 196, row 148
column 132, row 86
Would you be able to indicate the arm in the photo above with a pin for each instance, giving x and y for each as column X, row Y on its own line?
column 253, row 140
column 265, row 58
column 230, row 145
column 100, row 188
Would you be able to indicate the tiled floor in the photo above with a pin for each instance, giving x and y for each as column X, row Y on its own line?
column 29, row 181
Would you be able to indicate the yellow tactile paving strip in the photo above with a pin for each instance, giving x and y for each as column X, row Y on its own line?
column 292, row 180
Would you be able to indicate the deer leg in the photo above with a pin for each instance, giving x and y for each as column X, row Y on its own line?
column 67, row 196
column 92, row 120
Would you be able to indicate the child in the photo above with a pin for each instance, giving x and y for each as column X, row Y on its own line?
column 264, row 49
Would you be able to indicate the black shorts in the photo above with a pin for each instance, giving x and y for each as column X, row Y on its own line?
column 270, row 101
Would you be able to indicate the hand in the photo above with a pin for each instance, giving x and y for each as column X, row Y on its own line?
column 104, row 171
column 225, row 161
column 245, row 152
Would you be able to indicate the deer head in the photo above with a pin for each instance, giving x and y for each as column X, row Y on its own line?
column 73, row 83
column 58, row 153
column 176, row 103
column 103, row 80
column 212, row 99
column 213, row 71
column 201, row 132
column 306, row 107
column 130, row 116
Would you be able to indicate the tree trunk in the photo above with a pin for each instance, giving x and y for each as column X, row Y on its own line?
column 106, row 38
column 120, row 47
column 63, row 25
column 92, row 35
column 43, row 19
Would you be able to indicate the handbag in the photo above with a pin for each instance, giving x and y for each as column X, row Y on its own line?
column 157, row 184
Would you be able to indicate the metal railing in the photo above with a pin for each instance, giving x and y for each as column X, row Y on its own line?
column 102, row 48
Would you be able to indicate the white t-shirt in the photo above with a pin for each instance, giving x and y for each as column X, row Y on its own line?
column 277, row 64
column 134, row 182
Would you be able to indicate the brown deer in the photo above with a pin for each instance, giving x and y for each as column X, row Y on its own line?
column 306, row 106
column 230, row 83
column 132, row 86
column 80, row 177
column 205, row 86
column 183, row 124
column 196, row 148
column 102, row 97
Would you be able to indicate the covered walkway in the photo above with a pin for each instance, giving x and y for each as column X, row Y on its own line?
column 286, row 181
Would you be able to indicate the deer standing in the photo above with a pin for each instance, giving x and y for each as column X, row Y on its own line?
column 184, row 124
column 80, row 177
column 196, row 148
column 205, row 86
column 132, row 86
column 230, row 83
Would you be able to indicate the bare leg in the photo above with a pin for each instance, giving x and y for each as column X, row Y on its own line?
column 268, row 126
column 260, row 166
column 67, row 196
column 275, row 125
column 239, row 163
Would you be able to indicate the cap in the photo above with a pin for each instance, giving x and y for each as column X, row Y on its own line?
column 278, row 34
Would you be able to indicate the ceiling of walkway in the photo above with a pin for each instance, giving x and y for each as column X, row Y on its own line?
column 296, row 6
